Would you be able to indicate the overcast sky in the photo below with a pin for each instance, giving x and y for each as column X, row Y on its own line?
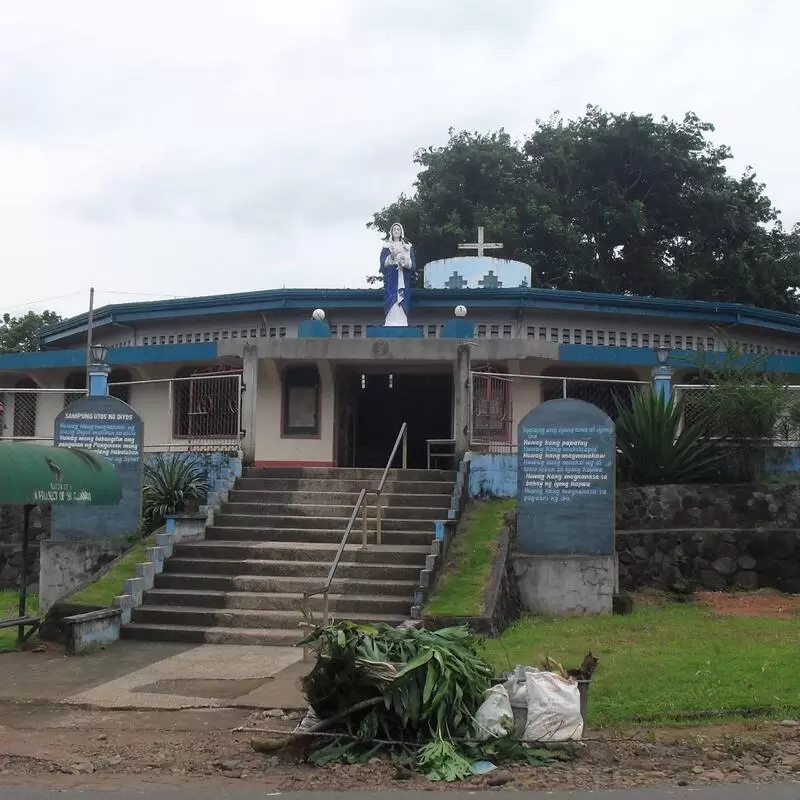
column 179, row 148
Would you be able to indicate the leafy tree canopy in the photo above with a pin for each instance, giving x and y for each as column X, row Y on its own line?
column 616, row 203
column 21, row 334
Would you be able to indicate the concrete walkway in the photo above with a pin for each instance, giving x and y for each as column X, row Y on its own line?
column 155, row 675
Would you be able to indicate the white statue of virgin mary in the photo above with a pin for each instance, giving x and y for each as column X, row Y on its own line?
column 397, row 267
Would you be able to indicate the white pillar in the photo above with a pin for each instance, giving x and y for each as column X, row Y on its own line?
column 249, row 395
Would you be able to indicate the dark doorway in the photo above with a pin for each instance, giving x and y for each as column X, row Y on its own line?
column 372, row 407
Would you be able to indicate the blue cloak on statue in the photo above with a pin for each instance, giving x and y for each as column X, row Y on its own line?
column 396, row 286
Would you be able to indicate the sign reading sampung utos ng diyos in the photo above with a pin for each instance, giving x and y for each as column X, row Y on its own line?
column 110, row 428
column 565, row 480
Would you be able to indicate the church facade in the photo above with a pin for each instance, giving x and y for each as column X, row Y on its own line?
column 322, row 377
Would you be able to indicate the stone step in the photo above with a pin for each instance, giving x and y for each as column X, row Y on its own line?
column 292, row 509
column 220, row 534
column 211, row 635
column 350, row 473
column 301, row 569
column 239, row 618
column 302, row 551
column 276, row 584
column 341, row 485
column 327, row 523
column 280, row 601
column 260, row 497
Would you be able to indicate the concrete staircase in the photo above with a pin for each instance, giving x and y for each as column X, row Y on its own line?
column 275, row 538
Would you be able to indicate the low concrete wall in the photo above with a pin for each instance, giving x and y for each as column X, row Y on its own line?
column 92, row 630
column 566, row 585
column 66, row 564
column 492, row 475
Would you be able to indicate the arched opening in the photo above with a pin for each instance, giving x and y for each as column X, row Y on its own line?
column 605, row 388
column 75, row 384
column 25, row 408
column 119, row 381
column 301, row 402
column 206, row 402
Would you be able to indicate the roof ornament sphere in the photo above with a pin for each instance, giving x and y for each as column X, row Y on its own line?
column 318, row 314
column 461, row 311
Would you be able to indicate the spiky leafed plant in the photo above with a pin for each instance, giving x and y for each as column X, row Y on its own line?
column 654, row 448
column 172, row 484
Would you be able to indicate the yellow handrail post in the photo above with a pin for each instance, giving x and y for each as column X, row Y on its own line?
column 378, row 520
column 364, row 533
column 405, row 448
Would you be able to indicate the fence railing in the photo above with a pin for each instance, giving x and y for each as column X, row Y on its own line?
column 200, row 412
column 492, row 402
column 699, row 407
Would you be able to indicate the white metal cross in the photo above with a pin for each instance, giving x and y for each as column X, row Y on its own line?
column 480, row 245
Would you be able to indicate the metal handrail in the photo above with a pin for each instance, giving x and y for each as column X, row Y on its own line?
column 324, row 590
column 402, row 437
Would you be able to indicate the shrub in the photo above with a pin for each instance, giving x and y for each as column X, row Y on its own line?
column 654, row 448
column 172, row 484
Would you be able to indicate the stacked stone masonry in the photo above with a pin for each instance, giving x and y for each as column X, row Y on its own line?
column 709, row 537
column 11, row 524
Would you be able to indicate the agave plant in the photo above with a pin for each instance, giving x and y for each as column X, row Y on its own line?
column 172, row 484
column 655, row 448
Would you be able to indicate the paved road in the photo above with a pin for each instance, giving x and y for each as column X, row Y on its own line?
column 789, row 791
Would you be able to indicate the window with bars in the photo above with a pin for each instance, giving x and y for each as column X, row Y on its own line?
column 301, row 401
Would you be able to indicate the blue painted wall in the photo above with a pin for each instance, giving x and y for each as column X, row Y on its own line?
column 492, row 475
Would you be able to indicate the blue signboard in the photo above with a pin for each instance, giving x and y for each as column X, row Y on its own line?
column 111, row 428
column 565, row 480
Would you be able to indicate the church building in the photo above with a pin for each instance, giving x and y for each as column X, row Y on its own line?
column 327, row 377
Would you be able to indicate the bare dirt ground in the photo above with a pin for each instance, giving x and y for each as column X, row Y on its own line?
column 752, row 604
column 67, row 747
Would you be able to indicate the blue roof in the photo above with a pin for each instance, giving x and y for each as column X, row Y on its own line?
column 339, row 299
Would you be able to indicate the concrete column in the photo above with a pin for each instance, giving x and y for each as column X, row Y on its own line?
column 249, row 399
column 463, row 392
column 662, row 381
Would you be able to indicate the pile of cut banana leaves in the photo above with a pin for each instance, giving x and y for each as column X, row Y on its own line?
column 405, row 692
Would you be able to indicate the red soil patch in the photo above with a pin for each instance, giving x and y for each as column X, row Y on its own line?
column 752, row 604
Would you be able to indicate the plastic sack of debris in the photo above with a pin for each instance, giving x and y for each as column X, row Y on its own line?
column 554, row 708
column 309, row 721
column 494, row 718
column 516, row 686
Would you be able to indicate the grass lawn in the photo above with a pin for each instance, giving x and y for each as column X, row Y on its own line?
column 668, row 663
column 461, row 589
column 9, row 607
column 103, row 591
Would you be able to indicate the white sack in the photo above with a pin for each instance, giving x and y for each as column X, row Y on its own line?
column 494, row 718
column 554, row 708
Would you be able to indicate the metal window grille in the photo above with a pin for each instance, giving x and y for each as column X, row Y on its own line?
column 492, row 415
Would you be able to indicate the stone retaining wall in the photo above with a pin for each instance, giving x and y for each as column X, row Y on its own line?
column 684, row 560
column 735, row 506
column 11, row 524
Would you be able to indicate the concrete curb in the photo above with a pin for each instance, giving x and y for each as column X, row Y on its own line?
column 442, row 536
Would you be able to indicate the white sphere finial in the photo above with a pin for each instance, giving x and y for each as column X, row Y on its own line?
column 318, row 314
column 461, row 311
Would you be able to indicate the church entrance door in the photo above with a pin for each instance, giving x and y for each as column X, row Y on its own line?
column 373, row 405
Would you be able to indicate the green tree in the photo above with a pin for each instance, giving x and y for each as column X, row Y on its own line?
column 21, row 334
column 610, row 203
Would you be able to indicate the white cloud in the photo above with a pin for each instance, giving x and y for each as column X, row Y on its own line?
column 192, row 147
